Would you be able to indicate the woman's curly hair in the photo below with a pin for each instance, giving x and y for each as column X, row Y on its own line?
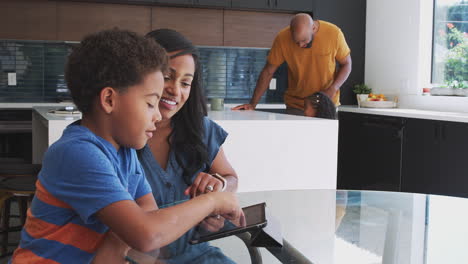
column 110, row 58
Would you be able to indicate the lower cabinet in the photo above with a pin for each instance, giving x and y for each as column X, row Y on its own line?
column 369, row 152
column 402, row 154
column 435, row 157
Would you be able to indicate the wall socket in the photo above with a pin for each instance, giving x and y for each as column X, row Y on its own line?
column 12, row 78
column 273, row 84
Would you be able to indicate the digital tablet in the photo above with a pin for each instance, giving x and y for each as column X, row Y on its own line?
column 254, row 219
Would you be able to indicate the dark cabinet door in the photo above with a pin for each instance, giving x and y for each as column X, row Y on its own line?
column 213, row 3
column 369, row 152
column 257, row 4
column 175, row 2
column 294, row 5
column 454, row 159
column 421, row 157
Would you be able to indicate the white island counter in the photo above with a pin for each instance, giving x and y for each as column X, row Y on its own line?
column 269, row 151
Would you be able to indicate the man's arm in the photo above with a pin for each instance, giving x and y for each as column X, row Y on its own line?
column 342, row 75
column 262, row 85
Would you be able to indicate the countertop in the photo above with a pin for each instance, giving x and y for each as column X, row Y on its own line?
column 31, row 105
column 245, row 115
column 226, row 115
column 409, row 113
column 44, row 113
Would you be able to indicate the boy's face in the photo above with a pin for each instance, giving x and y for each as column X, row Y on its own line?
column 309, row 108
column 136, row 111
column 177, row 86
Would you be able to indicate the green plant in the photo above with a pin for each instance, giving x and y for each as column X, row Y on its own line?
column 456, row 57
column 458, row 85
column 362, row 89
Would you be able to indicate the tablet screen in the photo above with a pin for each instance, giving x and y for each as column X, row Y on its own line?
column 254, row 218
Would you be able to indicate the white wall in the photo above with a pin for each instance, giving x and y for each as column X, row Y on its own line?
column 398, row 53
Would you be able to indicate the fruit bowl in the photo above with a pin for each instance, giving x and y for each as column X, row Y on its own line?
column 378, row 104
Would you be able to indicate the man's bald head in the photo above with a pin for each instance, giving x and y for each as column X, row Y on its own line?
column 302, row 29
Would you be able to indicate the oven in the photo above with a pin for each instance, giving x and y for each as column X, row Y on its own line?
column 15, row 136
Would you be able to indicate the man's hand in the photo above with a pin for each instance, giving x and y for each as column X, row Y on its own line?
column 244, row 107
column 331, row 91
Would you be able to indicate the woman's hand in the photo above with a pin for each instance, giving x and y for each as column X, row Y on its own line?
column 204, row 183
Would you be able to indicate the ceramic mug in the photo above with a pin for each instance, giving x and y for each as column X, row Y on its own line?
column 217, row 104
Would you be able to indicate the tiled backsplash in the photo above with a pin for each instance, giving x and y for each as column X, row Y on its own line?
column 229, row 73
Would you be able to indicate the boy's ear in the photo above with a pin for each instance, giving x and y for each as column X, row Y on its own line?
column 107, row 99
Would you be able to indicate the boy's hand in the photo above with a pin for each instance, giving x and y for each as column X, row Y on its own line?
column 204, row 183
column 213, row 223
column 226, row 205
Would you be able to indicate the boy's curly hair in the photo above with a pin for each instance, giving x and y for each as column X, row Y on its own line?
column 110, row 58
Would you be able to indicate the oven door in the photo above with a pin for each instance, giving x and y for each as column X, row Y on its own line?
column 15, row 136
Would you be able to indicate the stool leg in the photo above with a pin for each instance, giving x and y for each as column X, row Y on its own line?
column 5, row 226
column 23, row 208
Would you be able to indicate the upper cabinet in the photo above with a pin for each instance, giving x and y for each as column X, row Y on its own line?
column 174, row 2
column 268, row 5
column 257, row 4
column 212, row 3
column 205, row 27
column 294, row 5
column 285, row 5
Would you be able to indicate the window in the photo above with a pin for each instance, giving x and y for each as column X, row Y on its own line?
column 450, row 43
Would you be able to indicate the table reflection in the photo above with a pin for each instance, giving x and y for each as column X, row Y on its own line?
column 365, row 227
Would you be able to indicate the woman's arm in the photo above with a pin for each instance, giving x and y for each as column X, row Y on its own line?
column 221, row 166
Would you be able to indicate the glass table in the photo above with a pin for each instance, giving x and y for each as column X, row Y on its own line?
column 365, row 227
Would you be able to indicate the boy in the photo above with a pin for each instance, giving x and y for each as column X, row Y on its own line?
column 91, row 181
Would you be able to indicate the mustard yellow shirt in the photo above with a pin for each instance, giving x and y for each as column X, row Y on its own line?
column 310, row 70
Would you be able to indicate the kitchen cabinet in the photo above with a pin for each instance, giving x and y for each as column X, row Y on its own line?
column 247, row 28
column 285, row 5
column 434, row 157
column 174, row 2
column 388, row 153
column 205, row 27
column 420, row 167
column 213, row 3
column 369, row 152
column 295, row 5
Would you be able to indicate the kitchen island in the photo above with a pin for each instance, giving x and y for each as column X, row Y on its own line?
column 269, row 151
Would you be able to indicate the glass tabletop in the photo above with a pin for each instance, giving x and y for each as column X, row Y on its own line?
column 365, row 227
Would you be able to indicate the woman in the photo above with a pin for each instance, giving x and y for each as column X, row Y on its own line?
column 185, row 158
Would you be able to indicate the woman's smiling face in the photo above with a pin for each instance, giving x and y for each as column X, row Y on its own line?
column 177, row 84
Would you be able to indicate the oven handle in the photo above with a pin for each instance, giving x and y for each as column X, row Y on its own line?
column 10, row 127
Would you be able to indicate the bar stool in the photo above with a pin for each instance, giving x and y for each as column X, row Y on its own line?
column 17, row 182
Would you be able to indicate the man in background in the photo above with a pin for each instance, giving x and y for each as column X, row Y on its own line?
column 311, row 50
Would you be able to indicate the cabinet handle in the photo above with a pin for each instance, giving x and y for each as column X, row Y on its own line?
column 269, row 3
column 276, row 3
column 442, row 131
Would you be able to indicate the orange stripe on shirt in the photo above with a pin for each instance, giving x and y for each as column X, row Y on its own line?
column 43, row 195
column 70, row 234
column 25, row 256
